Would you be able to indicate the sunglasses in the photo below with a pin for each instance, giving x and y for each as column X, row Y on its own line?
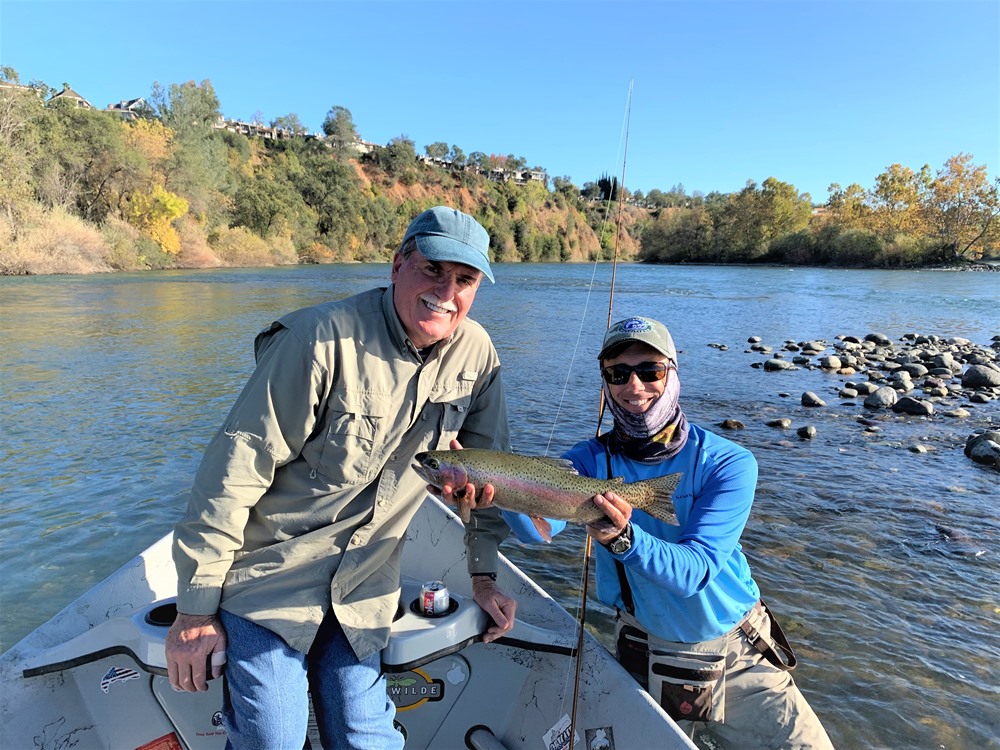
column 648, row 372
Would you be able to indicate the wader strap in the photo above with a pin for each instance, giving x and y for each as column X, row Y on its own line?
column 766, row 644
column 619, row 568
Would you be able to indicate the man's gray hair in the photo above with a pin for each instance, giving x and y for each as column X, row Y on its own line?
column 408, row 248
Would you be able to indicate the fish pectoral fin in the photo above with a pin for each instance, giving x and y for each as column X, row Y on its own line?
column 604, row 525
column 543, row 527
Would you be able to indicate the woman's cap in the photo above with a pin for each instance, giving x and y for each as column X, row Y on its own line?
column 638, row 331
column 443, row 234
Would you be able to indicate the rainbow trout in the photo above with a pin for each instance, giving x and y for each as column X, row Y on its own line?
column 543, row 487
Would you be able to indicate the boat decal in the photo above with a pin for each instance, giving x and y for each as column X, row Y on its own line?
column 117, row 674
column 557, row 738
column 602, row 738
column 166, row 742
column 409, row 690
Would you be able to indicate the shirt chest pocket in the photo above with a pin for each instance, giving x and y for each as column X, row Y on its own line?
column 356, row 425
column 449, row 410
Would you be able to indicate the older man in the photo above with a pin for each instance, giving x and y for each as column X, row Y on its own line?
column 288, row 558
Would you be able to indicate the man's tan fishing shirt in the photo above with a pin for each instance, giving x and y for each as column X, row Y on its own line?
column 303, row 498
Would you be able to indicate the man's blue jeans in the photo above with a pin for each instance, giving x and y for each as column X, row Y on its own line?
column 266, row 704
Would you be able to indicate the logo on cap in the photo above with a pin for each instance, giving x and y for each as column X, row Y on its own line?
column 635, row 325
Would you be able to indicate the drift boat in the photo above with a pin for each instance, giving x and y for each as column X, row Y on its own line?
column 94, row 676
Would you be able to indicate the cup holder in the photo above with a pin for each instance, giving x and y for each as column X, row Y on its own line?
column 162, row 616
column 416, row 608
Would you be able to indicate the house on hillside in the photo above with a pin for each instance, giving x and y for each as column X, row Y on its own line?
column 7, row 87
column 68, row 94
column 128, row 109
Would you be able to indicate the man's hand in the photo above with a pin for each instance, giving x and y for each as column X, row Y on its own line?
column 496, row 604
column 191, row 643
column 463, row 496
column 618, row 513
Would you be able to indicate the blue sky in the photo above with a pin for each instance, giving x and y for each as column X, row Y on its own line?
column 810, row 92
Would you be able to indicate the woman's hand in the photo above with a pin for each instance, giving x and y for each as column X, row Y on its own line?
column 618, row 513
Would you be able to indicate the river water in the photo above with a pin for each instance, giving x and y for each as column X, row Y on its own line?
column 881, row 563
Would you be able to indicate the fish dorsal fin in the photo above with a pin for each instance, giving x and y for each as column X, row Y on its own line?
column 617, row 480
column 558, row 463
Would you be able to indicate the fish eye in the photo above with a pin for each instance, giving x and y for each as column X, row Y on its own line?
column 431, row 463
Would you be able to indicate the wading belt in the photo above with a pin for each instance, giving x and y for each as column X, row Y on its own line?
column 768, row 644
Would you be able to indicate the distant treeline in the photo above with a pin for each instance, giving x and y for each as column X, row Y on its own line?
column 908, row 219
column 86, row 190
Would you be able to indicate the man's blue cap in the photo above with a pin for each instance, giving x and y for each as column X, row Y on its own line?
column 443, row 234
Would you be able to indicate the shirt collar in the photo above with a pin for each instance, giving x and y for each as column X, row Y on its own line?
column 395, row 325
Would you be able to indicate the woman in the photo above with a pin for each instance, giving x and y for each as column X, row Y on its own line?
column 690, row 626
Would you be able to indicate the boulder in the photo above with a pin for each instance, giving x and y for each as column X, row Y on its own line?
column 865, row 388
column 981, row 376
column 811, row 399
column 910, row 405
column 984, row 448
column 831, row 362
column 915, row 369
column 774, row 364
column 881, row 398
column 879, row 339
column 958, row 413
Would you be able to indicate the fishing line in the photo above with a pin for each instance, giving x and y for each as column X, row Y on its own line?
column 585, row 578
column 622, row 146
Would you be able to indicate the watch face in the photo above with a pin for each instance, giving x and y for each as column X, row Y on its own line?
column 621, row 544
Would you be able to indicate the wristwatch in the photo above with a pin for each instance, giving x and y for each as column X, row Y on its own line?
column 621, row 543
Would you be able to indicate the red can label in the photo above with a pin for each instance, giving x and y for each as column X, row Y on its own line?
column 434, row 598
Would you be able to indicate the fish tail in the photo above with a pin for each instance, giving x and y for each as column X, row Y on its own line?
column 662, row 504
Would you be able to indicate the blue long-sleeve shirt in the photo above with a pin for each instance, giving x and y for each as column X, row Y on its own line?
column 690, row 582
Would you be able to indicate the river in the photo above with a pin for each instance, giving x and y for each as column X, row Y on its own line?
column 112, row 385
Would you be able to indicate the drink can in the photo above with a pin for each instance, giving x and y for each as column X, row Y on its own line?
column 434, row 598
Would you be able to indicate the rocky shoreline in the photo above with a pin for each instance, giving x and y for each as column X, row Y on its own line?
column 918, row 376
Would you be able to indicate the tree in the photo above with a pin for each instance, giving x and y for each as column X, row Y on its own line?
column 755, row 216
column 154, row 213
column 897, row 201
column 848, row 208
column 290, row 123
column 338, row 127
column 963, row 206
column 656, row 198
column 20, row 116
column 564, row 186
column 197, row 167
column 457, row 156
column 84, row 161
column 608, row 187
column 437, row 151
column 678, row 235
column 186, row 107
column 398, row 158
